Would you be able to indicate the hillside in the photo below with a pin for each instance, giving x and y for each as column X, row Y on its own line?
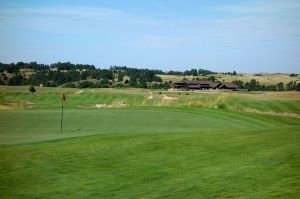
column 264, row 79
column 88, row 76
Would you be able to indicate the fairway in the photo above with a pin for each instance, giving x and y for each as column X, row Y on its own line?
column 201, row 145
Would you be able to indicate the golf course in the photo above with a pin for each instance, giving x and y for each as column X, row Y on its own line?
column 138, row 143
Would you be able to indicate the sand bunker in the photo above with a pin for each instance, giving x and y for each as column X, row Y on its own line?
column 169, row 98
column 113, row 105
column 78, row 92
column 11, row 106
column 150, row 97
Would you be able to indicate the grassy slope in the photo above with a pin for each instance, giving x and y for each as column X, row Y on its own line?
column 145, row 151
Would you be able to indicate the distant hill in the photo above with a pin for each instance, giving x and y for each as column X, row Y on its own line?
column 67, row 74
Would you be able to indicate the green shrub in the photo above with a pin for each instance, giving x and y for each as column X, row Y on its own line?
column 32, row 89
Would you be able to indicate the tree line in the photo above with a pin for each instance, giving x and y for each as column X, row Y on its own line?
column 254, row 85
column 80, row 75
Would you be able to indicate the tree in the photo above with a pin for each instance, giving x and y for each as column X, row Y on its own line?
column 32, row 89
column 239, row 83
column 86, row 84
column 297, row 87
column 16, row 80
column 132, row 82
column 280, row 86
column 120, row 78
column 212, row 78
column 234, row 73
column 103, row 83
column 290, row 86
column 253, row 85
column 70, row 85
column 1, row 82
column 194, row 72
column 83, row 76
column 143, row 83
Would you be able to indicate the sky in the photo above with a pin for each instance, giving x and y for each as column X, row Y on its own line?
column 220, row 35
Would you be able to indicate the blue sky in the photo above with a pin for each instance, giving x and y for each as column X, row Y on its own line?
column 246, row 36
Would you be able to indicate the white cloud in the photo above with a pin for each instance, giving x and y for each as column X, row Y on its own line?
column 148, row 32
column 57, row 19
column 76, row 12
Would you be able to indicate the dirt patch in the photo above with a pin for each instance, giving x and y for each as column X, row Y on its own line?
column 284, row 114
column 150, row 97
column 12, row 106
column 78, row 92
column 169, row 98
column 113, row 105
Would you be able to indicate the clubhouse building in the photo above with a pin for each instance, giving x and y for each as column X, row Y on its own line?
column 204, row 85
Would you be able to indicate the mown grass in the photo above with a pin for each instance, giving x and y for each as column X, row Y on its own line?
column 184, row 148
column 43, row 124
column 220, row 164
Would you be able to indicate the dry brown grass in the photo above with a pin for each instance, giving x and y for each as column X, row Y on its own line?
column 283, row 95
column 265, row 79
column 113, row 105
column 285, row 114
column 12, row 106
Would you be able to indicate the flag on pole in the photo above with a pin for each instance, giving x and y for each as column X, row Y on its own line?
column 63, row 98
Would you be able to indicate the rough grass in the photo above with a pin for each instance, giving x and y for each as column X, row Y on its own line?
column 287, row 103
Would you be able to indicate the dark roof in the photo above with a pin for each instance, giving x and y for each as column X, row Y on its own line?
column 198, row 84
column 229, row 85
column 215, row 84
column 205, row 82
column 205, row 86
column 193, row 86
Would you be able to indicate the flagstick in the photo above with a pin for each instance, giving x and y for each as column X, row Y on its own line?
column 62, row 114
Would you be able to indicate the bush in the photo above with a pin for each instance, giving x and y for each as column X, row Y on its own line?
column 70, row 85
column 32, row 89
column 1, row 82
column 86, row 84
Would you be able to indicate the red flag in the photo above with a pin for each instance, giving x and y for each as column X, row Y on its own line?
column 63, row 97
